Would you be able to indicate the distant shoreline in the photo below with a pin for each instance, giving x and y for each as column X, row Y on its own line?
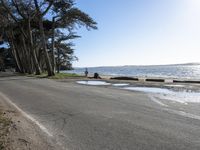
column 181, row 64
column 184, row 72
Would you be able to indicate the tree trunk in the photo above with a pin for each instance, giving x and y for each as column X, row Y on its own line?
column 18, row 65
column 58, row 61
column 32, row 51
column 53, row 45
column 15, row 57
column 44, row 47
column 19, row 57
column 58, row 68
column 27, row 56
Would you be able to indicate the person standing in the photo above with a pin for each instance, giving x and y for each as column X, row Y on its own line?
column 86, row 72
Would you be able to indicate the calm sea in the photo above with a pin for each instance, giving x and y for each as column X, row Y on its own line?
column 189, row 71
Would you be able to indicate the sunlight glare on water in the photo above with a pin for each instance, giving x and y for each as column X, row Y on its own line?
column 120, row 84
column 149, row 90
column 166, row 94
column 93, row 82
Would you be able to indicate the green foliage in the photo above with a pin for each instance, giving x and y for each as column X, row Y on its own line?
column 40, row 43
column 42, row 75
column 6, row 60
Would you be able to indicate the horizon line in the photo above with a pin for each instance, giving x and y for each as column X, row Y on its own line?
column 190, row 63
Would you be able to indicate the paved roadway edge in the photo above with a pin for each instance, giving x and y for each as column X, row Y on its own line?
column 42, row 127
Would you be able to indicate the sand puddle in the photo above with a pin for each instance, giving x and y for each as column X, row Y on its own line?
column 120, row 84
column 93, row 82
column 169, row 94
column 148, row 89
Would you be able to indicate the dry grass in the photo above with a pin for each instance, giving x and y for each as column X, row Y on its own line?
column 64, row 76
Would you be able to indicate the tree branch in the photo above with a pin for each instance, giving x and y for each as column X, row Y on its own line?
column 18, row 10
column 50, row 4
column 13, row 17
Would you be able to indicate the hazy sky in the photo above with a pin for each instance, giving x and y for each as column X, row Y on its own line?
column 139, row 32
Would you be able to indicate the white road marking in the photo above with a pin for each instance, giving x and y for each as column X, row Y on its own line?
column 42, row 127
column 157, row 101
column 177, row 112
column 184, row 114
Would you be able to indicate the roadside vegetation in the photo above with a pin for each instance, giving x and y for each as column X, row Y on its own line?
column 65, row 75
column 39, row 34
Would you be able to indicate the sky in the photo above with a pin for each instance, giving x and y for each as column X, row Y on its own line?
column 139, row 32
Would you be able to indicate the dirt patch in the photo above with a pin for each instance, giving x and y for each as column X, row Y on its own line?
column 4, row 130
column 19, row 133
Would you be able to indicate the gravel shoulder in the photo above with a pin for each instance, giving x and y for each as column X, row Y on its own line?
column 18, row 132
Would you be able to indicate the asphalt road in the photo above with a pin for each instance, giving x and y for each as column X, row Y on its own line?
column 101, row 118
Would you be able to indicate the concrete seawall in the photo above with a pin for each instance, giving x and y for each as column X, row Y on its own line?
column 143, row 79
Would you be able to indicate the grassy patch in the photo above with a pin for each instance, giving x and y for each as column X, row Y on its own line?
column 43, row 75
column 4, row 130
column 64, row 76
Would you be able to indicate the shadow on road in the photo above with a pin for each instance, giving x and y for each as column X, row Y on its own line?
column 7, row 76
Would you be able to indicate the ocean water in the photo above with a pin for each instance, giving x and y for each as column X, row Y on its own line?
column 185, row 71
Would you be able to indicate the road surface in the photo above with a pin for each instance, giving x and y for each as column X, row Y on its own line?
column 80, row 117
